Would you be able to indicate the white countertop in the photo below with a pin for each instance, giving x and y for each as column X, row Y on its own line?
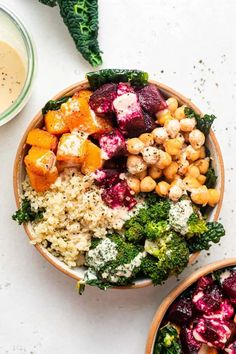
column 40, row 311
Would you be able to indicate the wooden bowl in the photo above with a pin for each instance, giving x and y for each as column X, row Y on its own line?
column 19, row 175
column 162, row 309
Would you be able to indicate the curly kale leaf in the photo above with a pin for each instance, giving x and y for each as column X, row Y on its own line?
column 54, row 105
column 50, row 3
column 215, row 231
column 25, row 213
column 203, row 123
column 81, row 19
column 167, row 341
column 211, row 178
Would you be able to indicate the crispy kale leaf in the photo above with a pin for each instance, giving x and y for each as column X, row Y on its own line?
column 215, row 231
column 167, row 341
column 25, row 213
column 81, row 19
column 203, row 123
column 50, row 3
column 211, row 178
column 101, row 77
column 54, row 105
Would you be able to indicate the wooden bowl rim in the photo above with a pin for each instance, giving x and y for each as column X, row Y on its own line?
column 191, row 279
column 16, row 170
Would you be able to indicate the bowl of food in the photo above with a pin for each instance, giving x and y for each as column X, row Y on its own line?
column 17, row 62
column 199, row 315
column 116, row 181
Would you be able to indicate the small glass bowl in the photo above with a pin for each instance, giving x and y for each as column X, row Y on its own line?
column 13, row 32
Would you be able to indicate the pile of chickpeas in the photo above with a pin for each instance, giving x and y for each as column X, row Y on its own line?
column 171, row 160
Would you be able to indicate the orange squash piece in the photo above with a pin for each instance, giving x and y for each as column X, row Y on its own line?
column 93, row 159
column 72, row 147
column 55, row 123
column 40, row 161
column 61, row 165
column 42, row 183
column 41, row 138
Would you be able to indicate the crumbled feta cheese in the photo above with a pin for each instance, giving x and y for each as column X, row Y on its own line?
column 179, row 215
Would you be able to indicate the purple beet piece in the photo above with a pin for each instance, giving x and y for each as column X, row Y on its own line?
column 117, row 163
column 181, row 311
column 214, row 332
column 203, row 282
column 102, row 99
column 151, row 99
column 112, row 144
column 124, row 87
column 226, row 311
column 207, row 300
column 106, row 177
column 231, row 348
column 229, row 286
column 188, row 342
column 119, row 195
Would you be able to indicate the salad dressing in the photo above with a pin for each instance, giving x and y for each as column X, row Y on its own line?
column 12, row 75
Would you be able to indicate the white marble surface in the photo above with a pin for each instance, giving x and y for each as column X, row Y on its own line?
column 40, row 311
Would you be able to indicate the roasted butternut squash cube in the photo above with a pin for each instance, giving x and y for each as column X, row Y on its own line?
column 41, row 138
column 72, row 147
column 61, row 165
column 40, row 161
column 42, row 183
column 55, row 122
column 93, row 159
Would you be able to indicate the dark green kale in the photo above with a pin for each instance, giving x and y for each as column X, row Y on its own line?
column 25, row 213
column 101, row 77
column 54, row 105
column 50, row 3
column 167, row 341
column 203, row 123
column 196, row 226
column 81, row 19
column 215, row 231
column 211, row 178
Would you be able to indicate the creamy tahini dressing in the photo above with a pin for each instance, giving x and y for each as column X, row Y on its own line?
column 179, row 215
column 12, row 75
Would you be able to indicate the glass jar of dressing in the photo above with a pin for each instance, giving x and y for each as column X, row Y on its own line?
column 17, row 65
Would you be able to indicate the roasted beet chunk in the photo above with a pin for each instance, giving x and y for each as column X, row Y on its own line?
column 181, row 311
column 117, row 162
column 189, row 343
column 203, row 282
column 151, row 99
column 102, row 99
column 225, row 311
column 119, row 196
column 214, row 332
column 229, row 286
column 207, row 300
column 231, row 348
column 112, row 144
column 106, row 178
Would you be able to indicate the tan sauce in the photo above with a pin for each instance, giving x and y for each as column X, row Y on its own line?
column 12, row 75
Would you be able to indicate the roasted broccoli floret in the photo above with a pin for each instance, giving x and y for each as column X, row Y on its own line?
column 150, row 267
column 203, row 123
column 25, row 213
column 160, row 210
column 167, row 341
column 113, row 262
column 196, row 226
column 215, row 231
column 211, row 178
column 171, row 253
column 155, row 230
column 135, row 232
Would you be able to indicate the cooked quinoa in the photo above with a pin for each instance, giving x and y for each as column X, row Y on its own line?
column 74, row 213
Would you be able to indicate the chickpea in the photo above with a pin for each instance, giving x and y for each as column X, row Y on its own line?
column 191, row 153
column 172, row 127
column 196, row 139
column 151, row 155
column 201, row 179
column 175, row 193
column 187, row 124
column 170, row 171
column 173, row 146
column 183, row 166
column 191, row 183
column 135, row 164
column 141, row 175
column 160, row 135
column 164, row 160
column 147, row 184
column 163, row 116
column 162, row 188
column 203, row 165
column 134, row 184
column 179, row 113
column 214, row 197
column 134, row 146
column 172, row 104
column 200, row 195
column 147, row 139
column 193, row 171
column 154, row 172
column 180, row 137
column 202, row 152
column 178, row 182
